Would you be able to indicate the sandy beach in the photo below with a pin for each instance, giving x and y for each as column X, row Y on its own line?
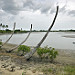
column 34, row 66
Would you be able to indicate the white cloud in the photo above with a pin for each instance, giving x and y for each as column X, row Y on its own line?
column 38, row 12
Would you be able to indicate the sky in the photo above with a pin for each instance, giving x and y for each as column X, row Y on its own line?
column 39, row 13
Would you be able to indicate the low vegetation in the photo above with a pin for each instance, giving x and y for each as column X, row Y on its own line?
column 24, row 49
column 43, row 53
column 70, row 70
column 47, row 53
column 62, row 70
column 0, row 43
column 47, row 68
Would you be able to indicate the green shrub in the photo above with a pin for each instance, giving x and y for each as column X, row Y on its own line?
column 0, row 43
column 40, row 52
column 47, row 52
column 52, row 54
column 24, row 49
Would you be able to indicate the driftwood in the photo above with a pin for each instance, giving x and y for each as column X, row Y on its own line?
column 21, row 42
column 29, row 55
column 10, row 36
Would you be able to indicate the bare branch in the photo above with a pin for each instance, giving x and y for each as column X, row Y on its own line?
column 29, row 55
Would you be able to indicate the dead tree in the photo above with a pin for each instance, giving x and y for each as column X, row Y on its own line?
column 29, row 55
column 10, row 36
column 21, row 42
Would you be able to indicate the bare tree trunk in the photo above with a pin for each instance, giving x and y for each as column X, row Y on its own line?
column 22, row 41
column 10, row 36
column 29, row 55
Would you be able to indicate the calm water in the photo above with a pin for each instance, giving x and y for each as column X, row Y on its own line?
column 54, row 39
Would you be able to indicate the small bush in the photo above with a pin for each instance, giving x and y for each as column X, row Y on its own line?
column 52, row 54
column 24, row 49
column 47, row 52
column 40, row 52
column 0, row 43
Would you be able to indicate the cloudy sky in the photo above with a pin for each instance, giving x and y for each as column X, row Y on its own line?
column 38, row 12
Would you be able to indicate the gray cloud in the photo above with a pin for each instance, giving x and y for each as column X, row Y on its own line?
column 45, row 6
column 9, row 6
column 14, row 6
column 71, row 12
column 28, row 3
column 63, row 9
column 52, row 11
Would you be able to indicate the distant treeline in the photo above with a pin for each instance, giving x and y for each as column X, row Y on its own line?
column 54, row 31
column 67, row 30
column 10, row 31
column 25, row 31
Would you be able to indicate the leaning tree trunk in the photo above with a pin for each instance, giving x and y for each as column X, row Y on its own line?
column 21, row 42
column 29, row 55
column 10, row 36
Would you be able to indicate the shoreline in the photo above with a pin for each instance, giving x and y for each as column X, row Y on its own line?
column 34, row 66
column 67, row 53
